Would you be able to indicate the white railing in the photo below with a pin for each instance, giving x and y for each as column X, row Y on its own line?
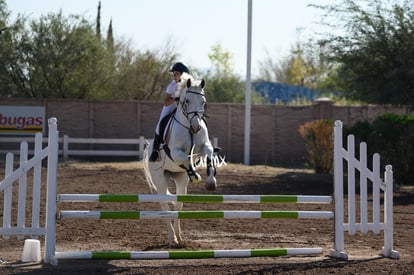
column 66, row 152
column 66, row 142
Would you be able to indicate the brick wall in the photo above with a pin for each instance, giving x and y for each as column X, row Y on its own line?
column 274, row 129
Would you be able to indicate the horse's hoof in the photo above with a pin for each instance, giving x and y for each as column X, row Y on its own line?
column 211, row 183
column 179, row 245
column 175, row 246
column 211, row 186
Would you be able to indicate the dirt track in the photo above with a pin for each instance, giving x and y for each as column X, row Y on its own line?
column 73, row 235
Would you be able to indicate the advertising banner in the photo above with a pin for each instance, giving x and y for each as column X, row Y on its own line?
column 21, row 120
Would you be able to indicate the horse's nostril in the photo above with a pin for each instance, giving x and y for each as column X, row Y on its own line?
column 195, row 130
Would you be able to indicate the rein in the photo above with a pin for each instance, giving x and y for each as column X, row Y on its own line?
column 194, row 113
column 183, row 106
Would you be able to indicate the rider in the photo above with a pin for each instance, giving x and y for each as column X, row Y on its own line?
column 177, row 69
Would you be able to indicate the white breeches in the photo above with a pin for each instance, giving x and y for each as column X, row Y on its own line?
column 166, row 110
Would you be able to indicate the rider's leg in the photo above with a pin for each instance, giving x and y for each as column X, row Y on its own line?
column 155, row 148
column 158, row 138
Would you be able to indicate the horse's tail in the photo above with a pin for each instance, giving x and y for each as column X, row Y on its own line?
column 147, row 171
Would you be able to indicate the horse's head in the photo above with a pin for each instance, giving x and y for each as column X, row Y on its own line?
column 193, row 101
column 182, row 84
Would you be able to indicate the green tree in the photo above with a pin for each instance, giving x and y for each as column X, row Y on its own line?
column 55, row 57
column 98, row 22
column 302, row 67
column 12, row 32
column 67, row 59
column 142, row 75
column 373, row 50
column 221, row 60
column 222, row 84
column 4, row 14
column 6, row 88
column 62, row 57
column 297, row 68
column 110, row 38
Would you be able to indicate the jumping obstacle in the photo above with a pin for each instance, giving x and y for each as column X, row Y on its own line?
column 137, row 215
column 50, row 152
column 194, row 198
column 179, row 254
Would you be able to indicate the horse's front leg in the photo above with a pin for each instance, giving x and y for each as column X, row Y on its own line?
column 172, row 239
column 181, row 158
column 211, row 182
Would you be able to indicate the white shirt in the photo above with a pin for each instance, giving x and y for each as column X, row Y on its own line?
column 171, row 88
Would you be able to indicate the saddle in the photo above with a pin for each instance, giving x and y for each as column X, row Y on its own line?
column 164, row 125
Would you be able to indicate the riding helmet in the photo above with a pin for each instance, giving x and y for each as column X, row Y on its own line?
column 180, row 67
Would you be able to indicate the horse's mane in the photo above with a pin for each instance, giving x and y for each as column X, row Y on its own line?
column 182, row 85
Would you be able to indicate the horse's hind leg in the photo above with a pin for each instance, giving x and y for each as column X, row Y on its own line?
column 181, row 182
column 172, row 239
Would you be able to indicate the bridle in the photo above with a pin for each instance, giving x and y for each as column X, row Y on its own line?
column 193, row 114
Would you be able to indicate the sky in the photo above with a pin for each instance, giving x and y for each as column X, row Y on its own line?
column 195, row 26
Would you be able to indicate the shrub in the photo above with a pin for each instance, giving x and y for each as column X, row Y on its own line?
column 392, row 136
column 318, row 139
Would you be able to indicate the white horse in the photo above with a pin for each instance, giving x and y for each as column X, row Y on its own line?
column 186, row 141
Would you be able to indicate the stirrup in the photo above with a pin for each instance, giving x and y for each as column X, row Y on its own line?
column 154, row 156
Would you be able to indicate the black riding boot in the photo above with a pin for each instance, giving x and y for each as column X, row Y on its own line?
column 155, row 148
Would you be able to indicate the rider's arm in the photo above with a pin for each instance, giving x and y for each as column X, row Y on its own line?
column 169, row 94
column 168, row 99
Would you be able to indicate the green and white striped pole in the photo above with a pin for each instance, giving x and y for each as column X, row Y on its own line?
column 196, row 214
column 197, row 254
column 195, row 198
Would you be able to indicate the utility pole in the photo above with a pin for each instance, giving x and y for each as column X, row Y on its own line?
column 248, row 85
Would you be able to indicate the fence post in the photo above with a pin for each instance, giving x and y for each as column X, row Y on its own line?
column 65, row 146
column 388, row 249
column 8, row 194
column 141, row 147
column 338, row 250
column 53, row 150
column 37, row 182
column 21, row 208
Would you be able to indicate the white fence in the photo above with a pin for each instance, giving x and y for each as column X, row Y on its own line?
column 65, row 150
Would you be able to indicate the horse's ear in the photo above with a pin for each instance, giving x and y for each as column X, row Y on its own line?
column 203, row 83
column 189, row 83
